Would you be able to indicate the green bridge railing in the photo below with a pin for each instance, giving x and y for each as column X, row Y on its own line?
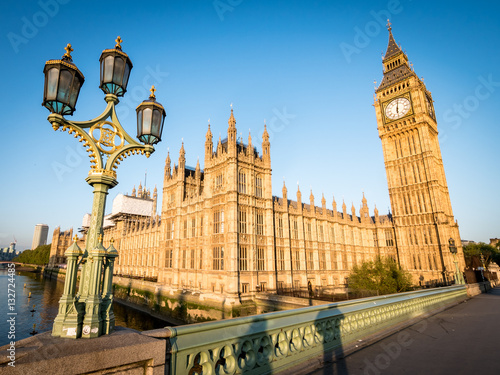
column 272, row 342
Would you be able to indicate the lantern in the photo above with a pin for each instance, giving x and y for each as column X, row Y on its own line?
column 63, row 81
column 115, row 70
column 150, row 118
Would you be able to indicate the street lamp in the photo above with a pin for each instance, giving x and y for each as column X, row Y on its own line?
column 453, row 249
column 88, row 313
column 482, row 266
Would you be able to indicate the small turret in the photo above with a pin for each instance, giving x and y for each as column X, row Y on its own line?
column 168, row 170
column 133, row 192
column 231, row 131
column 323, row 203
column 219, row 147
column 182, row 159
column 209, row 145
column 139, row 191
column 364, row 212
column 250, row 148
column 197, row 170
column 266, row 146
column 155, row 202
column 285, row 192
column 311, row 201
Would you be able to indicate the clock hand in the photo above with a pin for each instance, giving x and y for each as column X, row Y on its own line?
column 397, row 108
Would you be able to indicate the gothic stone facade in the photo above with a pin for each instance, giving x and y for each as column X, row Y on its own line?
column 223, row 234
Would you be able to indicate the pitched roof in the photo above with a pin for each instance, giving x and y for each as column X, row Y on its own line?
column 392, row 47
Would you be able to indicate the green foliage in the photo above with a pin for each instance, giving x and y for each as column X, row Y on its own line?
column 473, row 252
column 382, row 275
column 39, row 256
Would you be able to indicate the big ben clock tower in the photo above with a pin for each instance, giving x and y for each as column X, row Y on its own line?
column 425, row 228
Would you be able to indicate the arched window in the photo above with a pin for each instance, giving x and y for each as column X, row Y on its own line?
column 242, row 182
column 258, row 186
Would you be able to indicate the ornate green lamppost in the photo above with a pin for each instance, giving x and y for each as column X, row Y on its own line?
column 88, row 313
column 459, row 279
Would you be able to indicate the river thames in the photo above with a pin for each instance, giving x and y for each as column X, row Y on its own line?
column 41, row 307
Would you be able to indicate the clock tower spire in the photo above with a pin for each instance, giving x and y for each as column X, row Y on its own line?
column 418, row 191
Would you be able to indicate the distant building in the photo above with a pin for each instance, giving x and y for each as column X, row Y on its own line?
column 40, row 235
column 8, row 253
column 126, row 208
column 466, row 242
column 494, row 241
column 60, row 243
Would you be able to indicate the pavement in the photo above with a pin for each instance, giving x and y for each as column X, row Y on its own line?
column 464, row 339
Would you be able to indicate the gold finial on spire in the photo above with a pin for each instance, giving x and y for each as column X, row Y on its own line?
column 68, row 50
column 118, row 41
column 112, row 240
column 389, row 25
column 100, row 238
column 152, row 96
column 75, row 238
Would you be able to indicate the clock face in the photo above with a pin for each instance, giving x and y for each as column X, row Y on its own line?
column 397, row 108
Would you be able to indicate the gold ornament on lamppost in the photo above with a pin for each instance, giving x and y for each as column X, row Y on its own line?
column 88, row 313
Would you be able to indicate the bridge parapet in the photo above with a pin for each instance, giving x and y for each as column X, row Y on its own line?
column 272, row 342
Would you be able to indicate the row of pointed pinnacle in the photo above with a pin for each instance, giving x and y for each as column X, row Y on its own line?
column 265, row 137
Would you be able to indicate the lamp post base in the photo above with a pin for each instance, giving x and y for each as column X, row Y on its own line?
column 92, row 324
column 68, row 322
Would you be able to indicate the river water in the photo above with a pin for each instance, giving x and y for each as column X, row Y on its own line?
column 44, row 300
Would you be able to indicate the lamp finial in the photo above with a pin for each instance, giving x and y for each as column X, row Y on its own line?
column 118, row 41
column 68, row 50
column 152, row 96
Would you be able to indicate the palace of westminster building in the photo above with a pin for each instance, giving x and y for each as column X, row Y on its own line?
column 222, row 233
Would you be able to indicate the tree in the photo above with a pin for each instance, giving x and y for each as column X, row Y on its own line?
column 473, row 252
column 381, row 274
column 40, row 255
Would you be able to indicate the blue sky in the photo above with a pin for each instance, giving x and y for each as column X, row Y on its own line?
column 307, row 67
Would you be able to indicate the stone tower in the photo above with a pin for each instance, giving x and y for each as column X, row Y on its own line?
column 421, row 207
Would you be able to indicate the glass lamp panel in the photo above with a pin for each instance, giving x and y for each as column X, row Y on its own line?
column 155, row 129
column 53, row 78
column 108, row 68
column 118, row 72
column 102, row 70
column 65, row 79
column 75, row 90
column 146, row 123
column 139, row 123
column 126, row 74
